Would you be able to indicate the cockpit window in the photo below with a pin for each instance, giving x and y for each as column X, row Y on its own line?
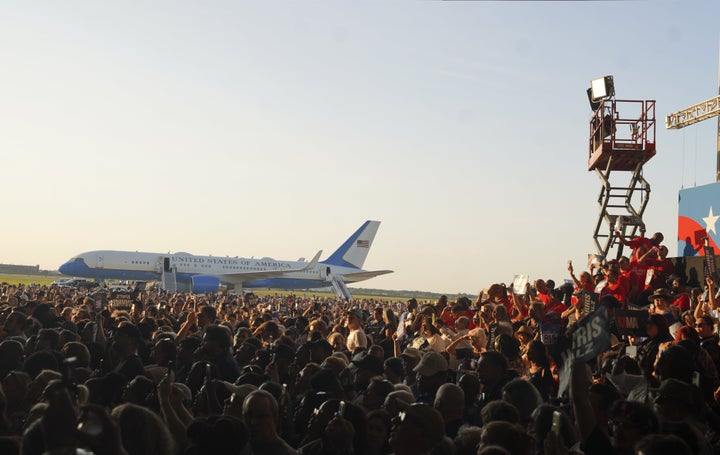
column 81, row 260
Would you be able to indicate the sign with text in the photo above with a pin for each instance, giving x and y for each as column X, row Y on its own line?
column 631, row 322
column 520, row 283
column 121, row 300
column 590, row 339
column 709, row 269
column 587, row 301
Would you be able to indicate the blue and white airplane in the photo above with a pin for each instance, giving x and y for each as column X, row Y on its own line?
column 200, row 274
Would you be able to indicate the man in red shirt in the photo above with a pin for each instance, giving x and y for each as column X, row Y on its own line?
column 640, row 245
column 662, row 267
column 556, row 304
column 542, row 293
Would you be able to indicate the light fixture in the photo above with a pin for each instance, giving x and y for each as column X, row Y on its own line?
column 602, row 88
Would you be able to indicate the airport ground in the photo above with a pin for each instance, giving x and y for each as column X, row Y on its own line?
column 365, row 294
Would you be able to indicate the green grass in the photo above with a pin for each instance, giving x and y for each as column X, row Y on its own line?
column 48, row 279
column 27, row 279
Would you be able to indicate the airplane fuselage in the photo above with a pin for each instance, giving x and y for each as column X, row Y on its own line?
column 205, row 273
column 139, row 266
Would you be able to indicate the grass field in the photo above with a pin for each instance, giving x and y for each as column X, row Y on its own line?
column 28, row 279
column 45, row 280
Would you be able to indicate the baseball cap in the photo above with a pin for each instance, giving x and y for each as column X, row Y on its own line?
column 431, row 364
column 412, row 353
column 369, row 362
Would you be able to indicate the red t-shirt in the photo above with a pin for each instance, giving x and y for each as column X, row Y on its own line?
column 639, row 245
column 619, row 289
column 682, row 301
column 662, row 268
column 559, row 308
column 545, row 298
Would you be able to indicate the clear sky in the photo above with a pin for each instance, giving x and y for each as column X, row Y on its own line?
column 277, row 128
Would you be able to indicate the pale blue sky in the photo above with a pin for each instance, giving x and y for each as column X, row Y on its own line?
column 277, row 128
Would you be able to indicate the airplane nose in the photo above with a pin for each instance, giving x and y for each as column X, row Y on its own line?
column 65, row 269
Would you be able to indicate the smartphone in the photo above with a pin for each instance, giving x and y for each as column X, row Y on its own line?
column 696, row 378
column 631, row 351
column 556, row 423
column 341, row 409
column 94, row 331
column 208, row 371
column 90, row 425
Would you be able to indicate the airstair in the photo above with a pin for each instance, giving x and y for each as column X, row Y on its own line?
column 169, row 279
column 622, row 140
column 340, row 288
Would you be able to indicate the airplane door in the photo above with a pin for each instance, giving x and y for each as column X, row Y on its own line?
column 99, row 263
column 166, row 264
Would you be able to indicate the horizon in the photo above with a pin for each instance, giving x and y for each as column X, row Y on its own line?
column 274, row 130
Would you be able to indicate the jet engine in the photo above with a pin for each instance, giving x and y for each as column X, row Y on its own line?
column 202, row 284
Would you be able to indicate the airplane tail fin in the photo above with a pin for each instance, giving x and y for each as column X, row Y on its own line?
column 353, row 252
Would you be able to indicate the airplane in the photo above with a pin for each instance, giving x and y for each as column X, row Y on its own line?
column 201, row 274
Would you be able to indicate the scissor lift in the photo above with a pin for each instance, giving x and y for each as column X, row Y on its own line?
column 622, row 140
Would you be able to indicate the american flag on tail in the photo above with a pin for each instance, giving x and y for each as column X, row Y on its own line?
column 363, row 244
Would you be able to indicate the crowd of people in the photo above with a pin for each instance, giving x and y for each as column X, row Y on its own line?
column 158, row 373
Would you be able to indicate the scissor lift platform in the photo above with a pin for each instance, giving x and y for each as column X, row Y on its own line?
column 622, row 139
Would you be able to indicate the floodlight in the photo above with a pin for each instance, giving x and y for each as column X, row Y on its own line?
column 602, row 87
column 594, row 105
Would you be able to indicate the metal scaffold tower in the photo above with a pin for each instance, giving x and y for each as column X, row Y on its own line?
column 622, row 140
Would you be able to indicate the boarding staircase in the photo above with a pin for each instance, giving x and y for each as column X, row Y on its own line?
column 622, row 140
column 340, row 288
column 169, row 279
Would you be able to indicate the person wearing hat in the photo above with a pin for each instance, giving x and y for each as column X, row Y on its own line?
column 660, row 301
column 431, row 373
column 524, row 335
column 356, row 338
column 367, row 366
column 416, row 430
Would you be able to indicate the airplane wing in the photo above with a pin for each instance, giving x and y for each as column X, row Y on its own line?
column 364, row 275
column 244, row 277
